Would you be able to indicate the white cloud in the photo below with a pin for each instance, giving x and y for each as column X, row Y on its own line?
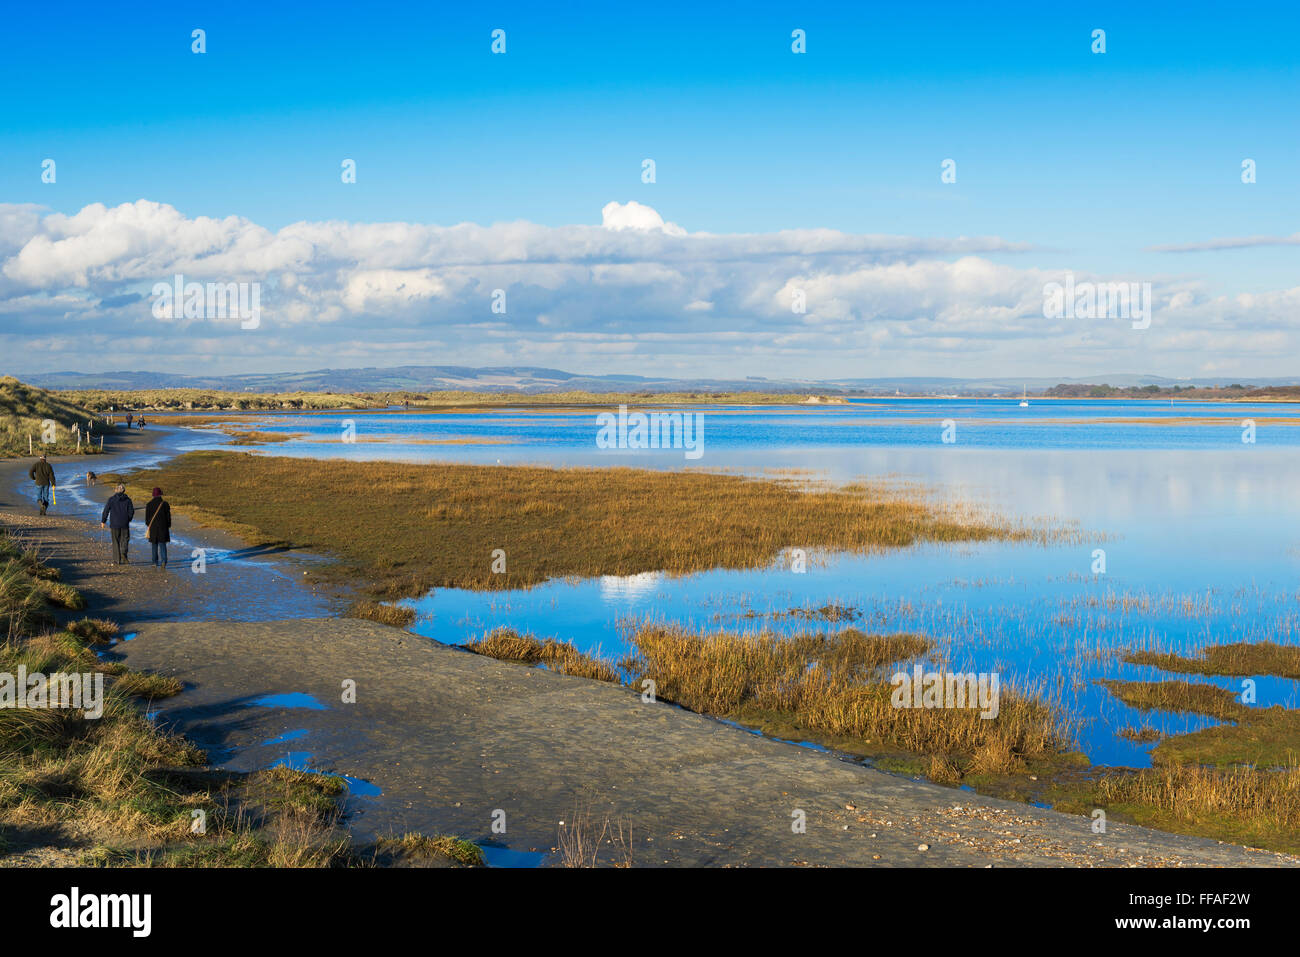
column 632, row 215
column 634, row 287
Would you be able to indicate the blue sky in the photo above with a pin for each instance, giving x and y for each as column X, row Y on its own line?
column 1089, row 160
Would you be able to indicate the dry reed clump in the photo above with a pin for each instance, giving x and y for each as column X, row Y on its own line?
column 581, row 838
column 397, row 616
column 561, row 656
column 1243, row 805
column 833, row 684
column 439, row 522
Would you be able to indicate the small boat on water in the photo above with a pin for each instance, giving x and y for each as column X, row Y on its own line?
column 1024, row 397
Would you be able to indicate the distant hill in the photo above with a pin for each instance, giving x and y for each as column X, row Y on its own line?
column 534, row 379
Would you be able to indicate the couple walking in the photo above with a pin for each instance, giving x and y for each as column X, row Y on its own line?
column 117, row 515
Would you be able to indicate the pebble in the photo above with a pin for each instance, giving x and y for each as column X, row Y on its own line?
column 923, row 847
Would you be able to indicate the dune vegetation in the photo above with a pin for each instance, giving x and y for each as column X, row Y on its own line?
column 212, row 399
column 183, row 399
column 25, row 416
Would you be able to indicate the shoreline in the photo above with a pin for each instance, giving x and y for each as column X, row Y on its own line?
column 448, row 737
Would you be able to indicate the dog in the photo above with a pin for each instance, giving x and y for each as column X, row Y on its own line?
column 91, row 478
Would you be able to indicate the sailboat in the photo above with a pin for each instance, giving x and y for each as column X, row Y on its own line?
column 1024, row 397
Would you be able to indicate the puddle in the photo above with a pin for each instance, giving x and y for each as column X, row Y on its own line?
column 287, row 736
column 291, row 699
column 497, row 856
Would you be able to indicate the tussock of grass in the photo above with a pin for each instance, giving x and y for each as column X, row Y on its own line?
column 418, row 847
column 438, row 525
column 148, row 686
column 508, row 645
column 97, row 631
column 396, row 615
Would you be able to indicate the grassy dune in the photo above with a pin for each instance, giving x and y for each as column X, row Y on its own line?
column 186, row 399
column 212, row 399
column 25, row 409
column 408, row 528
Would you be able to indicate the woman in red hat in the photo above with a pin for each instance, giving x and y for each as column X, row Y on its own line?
column 158, row 523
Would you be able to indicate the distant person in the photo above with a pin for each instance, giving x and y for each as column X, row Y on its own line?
column 117, row 515
column 129, row 417
column 42, row 473
column 158, row 523
column 140, row 423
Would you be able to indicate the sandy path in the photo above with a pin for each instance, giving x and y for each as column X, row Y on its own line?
column 448, row 738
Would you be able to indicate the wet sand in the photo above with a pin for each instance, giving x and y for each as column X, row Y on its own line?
column 439, row 740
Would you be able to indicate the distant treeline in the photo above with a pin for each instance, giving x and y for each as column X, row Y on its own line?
column 1234, row 391
column 164, row 400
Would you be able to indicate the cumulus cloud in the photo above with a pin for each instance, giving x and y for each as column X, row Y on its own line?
column 632, row 215
column 634, row 293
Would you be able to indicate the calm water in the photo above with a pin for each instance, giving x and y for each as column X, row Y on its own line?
column 1200, row 533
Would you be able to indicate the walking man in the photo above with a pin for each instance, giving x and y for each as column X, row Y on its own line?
column 158, row 523
column 117, row 515
column 42, row 473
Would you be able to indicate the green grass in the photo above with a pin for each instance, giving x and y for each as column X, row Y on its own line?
column 1235, row 659
column 1249, row 737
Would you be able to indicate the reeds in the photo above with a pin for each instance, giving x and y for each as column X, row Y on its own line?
column 409, row 528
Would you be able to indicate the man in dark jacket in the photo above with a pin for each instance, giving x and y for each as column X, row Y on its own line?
column 118, row 512
column 42, row 473
column 158, row 523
